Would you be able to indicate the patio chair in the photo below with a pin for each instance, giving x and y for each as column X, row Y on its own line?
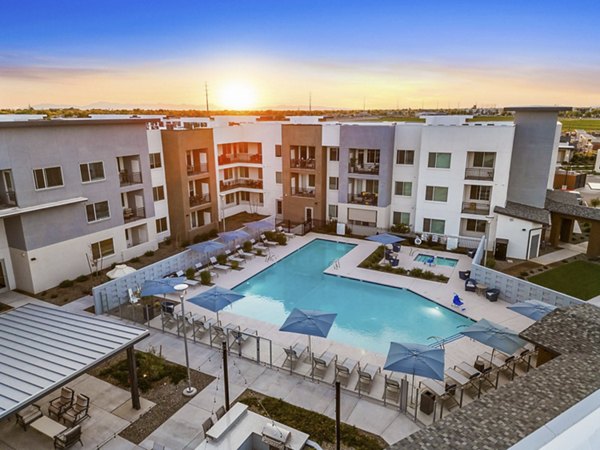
column 244, row 254
column 202, row 267
column 471, row 285
column 215, row 264
column 391, row 388
column 464, row 274
column 500, row 361
column 28, row 415
column 68, row 438
column 258, row 245
column 133, row 297
column 321, row 363
column 287, row 235
column 207, row 425
column 200, row 325
column 344, row 370
column 232, row 257
column 458, row 303
column 294, row 353
column 167, row 315
column 220, row 332
column 268, row 243
column 239, row 337
column 365, row 377
column 59, row 405
column 492, row 294
column 220, row 412
column 78, row 412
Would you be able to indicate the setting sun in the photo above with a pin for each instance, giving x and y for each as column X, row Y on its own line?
column 237, row 95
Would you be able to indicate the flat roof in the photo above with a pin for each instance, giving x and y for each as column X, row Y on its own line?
column 43, row 348
column 538, row 108
column 72, row 122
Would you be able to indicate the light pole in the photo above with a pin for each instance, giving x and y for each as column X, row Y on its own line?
column 189, row 391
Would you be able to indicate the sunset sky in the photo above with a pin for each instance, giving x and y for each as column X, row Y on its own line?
column 273, row 53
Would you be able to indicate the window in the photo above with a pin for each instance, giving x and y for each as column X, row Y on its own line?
column 401, row 218
column 439, row 160
column 333, row 183
column 278, row 150
column 161, row 225
column 103, row 248
column 373, row 156
column 403, row 188
column 97, row 211
column 311, row 181
column 480, row 193
column 484, row 159
column 155, row 161
column 334, row 154
column 196, row 219
column 261, row 199
column 244, row 172
column 279, row 205
column 372, row 186
column 158, row 193
column 228, row 174
column 476, row 225
column 434, row 226
column 245, row 196
column 333, row 211
column 229, row 198
column 278, row 177
column 436, row 193
column 93, row 171
column 48, row 177
column 405, row 157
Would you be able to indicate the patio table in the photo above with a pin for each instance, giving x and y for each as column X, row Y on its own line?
column 47, row 426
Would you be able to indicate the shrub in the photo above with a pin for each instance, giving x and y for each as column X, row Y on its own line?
column 400, row 228
column 524, row 273
column 235, row 265
column 247, row 246
column 491, row 262
column 595, row 202
column 81, row 278
column 416, row 272
column 135, row 260
column 205, row 277
column 259, row 252
column 281, row 239
column 66, row 284
column 270, row 235
column 190, row 272
column 221, row 259
column 149, row 253
column 54, row 296
column 113, row 265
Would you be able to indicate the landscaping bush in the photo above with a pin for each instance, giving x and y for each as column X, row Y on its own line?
column 205, row 277
column 270, row 235
column 66, row 284
column 247, row 246
column 259, row 252
column 135, row 260
column 190, row 272
column 221, row 259
column 234, row 265
column 149, row 253
column 400, row 228
column 81, row 278
column 491, row 262
column 281, row 239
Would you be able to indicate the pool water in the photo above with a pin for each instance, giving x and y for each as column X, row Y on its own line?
column 438, row 260
column 369, row 315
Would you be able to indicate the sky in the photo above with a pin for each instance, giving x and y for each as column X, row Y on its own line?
column 278, row 54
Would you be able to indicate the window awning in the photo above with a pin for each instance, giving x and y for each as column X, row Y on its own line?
column 43, row 348
column 362, row 215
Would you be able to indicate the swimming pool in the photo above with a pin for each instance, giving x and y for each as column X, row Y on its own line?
column 438, row 260
column 369, row 315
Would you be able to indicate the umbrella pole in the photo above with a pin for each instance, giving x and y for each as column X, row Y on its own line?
column 412, row 389
column 309, row 348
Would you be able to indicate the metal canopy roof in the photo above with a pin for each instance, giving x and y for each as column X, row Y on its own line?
column 42, row 348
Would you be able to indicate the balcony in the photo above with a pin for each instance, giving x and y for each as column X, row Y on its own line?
column 302, row 164
column 197, row 169
column 240, row 183
column 479, row 173
column 364, row 198
column 368, row 169
column 127, row 178
column 132, row 214
column 303, row 192
column 8, row 199
column 482, row 209
column 197, row 200
column 253, row 158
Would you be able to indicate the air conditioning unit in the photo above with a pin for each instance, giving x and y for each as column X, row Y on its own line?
column 275, row 436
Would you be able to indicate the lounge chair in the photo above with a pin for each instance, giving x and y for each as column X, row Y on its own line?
column 202, row 267
column 200, row 325
column 391, row 388
column 258, row 245
column 68, row 438
column 216, row 265
column 78, row 412
column 458, row 303
column 244, row 254
column 365, row 377
column 239, row 337
column 294, row 353
column 500, row 361
column 59, row 405
column 268, row 243
column 287, row 235
column 471, row 285
column 344, row 370
column 207, row 425
column 220, row 412
column 321, row 363
column 133, row 297
column 233, row 257
column 220, row 332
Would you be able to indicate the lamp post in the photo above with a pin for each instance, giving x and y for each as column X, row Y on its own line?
column 189, row 391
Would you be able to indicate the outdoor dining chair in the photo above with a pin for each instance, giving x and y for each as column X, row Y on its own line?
column 78, row 412
column 59, row 405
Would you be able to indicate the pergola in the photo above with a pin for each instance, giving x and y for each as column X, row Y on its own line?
column 42, row 348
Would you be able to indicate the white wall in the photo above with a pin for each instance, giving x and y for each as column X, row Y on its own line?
column 5, row 255
column 161, row 208
column 517, row 231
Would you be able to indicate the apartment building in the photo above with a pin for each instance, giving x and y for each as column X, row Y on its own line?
column 76, row 195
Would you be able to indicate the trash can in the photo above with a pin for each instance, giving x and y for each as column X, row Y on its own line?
column 471, row 253
column 427, row 402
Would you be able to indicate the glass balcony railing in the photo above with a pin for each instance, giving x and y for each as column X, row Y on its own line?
column 479, row 173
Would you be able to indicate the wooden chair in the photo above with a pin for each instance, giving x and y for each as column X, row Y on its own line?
column 68, row 438
column 78, row 412
column 59, row 405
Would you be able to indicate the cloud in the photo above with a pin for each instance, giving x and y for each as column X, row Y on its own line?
column 45, row 73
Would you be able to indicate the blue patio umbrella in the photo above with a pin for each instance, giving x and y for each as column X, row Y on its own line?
column 215, row 299
column 385, row 238
column 207, row 247
column 309, row 322
column 495, row 335
column 259, row 226
column 230, row 236
column 534, row 309
column 161, row 286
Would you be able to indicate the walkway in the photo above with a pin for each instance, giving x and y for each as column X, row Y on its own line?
column 566, row 251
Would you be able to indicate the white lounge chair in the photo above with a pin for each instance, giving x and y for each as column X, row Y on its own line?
column 294, row 353
column 287, row 235
column 201, row 267
column 244, row 254
column 365, row 377
column 321, row 363
column 344, row 370
column 268, row 243
column 233, row 257
column 258, row 245
column 218, row 266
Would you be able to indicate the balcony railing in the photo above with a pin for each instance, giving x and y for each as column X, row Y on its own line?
column 232, row 184
column 364, row 198
column 197, row 200
column 302, row 163
column 126, row 178
column 8, row 199
column 254, row 158
column 131, row 214
column 371, row 169
column 303, row 192
column 476, row 208
column 479, row 173
column 196, row 169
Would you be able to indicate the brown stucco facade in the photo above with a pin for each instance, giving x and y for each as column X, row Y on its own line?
column 179, row 173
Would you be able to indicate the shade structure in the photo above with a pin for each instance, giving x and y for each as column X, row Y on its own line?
column 385, row 238
column 260, row 225
column 161, row 286
column 207, row 247
column 496, row 336
column 534, row 309
column 215, row 299
column 230, row 236
column 309, row 322
column 416, row 359
column 119, row 271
